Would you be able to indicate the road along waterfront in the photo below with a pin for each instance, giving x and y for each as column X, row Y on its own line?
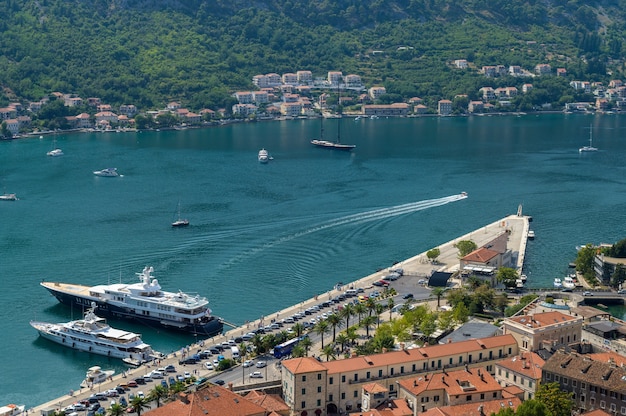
column 516, row 226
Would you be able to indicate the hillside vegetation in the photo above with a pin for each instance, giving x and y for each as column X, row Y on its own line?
column 148, row 52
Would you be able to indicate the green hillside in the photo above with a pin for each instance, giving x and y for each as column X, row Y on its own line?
column 200, row 51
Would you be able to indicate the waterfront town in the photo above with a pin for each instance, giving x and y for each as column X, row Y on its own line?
column 300, row 94
column 477, row 366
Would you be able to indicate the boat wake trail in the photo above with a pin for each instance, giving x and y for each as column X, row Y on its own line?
column 353, row 219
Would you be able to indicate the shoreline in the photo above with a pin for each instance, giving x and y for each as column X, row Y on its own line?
column 418, row 265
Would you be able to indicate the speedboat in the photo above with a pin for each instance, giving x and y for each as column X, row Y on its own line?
column 55, row 152
column 8, row 197
column 531, row 235
column 95, row 375
column 108, row 172
column 93, row 334
column 139, row 301
column 558, row 282
column 264, row 157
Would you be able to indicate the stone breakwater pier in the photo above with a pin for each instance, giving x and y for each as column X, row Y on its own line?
column 515, row 227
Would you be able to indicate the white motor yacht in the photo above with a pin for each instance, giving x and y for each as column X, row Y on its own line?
column 96, row 375
column 558, row 282
column 108, row 172
column 264, row 157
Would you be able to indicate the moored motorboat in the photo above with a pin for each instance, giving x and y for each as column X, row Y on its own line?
column 12, row 409
column 93, row 334
column 558, row 282
column 139, row 301
column 264, row 156
column 568, row 282
column 96, row 375
column 531, row 235
column 108, row 172
column 55, row 152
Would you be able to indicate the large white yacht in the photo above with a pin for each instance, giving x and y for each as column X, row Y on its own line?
column 144, row 302
column 93, row 334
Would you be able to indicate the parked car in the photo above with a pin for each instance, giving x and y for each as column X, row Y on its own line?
column 256, row 374
column 208, row 365
column 141, row 395
column 219, row 382
column 170, row 369
column 156, row 374
column 621, row 292
column 187, row 375
column 248, row 363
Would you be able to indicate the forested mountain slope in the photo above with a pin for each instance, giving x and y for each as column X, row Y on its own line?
column 148, row 52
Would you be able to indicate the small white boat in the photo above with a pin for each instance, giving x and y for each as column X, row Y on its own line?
column 8, row 197
column 558, row 282
column 523, row 278
column 12, row 410
column 589, row 148
column 95, row 375
column 531, row 235
column 568, row 283
column 264, row 157
column 55, row 150
column 108, row 172
column 519, row 283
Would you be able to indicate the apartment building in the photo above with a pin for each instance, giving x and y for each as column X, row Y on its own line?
column 444, row 107
column 523, row 371
column 543, row 330
column 313, row 386
column 597, row 381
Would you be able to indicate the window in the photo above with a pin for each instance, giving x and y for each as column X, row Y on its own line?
column 436, row 398
column 391, row 387
column 602, row 391
column 525, row 344
column 623, row 411
column 548, row 376
column 367, row 375
column 319, row 389
column 413, row 368
column 319, row 376
column 470, row 358
column 303, row 378
column 602, row 404
column 319, row 402
column 303, row 404
column 495, row 394
column 343, row 379
column 356, row 377
column 402, row 369
column 380, row 373
column 468, row 398
column 343, row 396
column 330, row 380
column 356, row 393
column 565, row 380
column 506, row 375
column 514, row 378
column 613, row 408
column 574, row 383
column 499, row 371
column 330, row 397
column 391, row 371
column 482, row 396
column 480, row 356
column 303, row 391
column 530, row 384
column 460, row 359
column 490, row 355
column 450, row 360
column 510, row 350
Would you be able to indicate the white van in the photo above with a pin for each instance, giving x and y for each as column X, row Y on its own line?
column 235, row 352
column 351, row 292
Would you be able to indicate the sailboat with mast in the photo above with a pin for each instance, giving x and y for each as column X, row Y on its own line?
column 589, row 148
column 327, row 144
column 180, row 222
column 55, row 150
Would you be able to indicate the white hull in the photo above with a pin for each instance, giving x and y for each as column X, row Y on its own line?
column 96, row 376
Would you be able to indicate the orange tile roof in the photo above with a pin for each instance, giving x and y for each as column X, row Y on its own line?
column 453, row 382
column 474, row 409
column 481, row 255
column 597, row 412
column 374, row 388
column 543, row 319
column 270, row 402
column 607, row 356
column 395, row 407
column 210, row 401
column 309, row 364
column 527, row 363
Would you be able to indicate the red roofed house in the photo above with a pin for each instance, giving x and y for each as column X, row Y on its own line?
column 523, row 371
column 543, row 330
column 453, row 388
column 310, row 385
column 210, row 401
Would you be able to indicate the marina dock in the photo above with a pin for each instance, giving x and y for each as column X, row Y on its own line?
column 516, row 226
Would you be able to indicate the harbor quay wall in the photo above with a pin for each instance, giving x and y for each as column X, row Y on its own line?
column 516, row 225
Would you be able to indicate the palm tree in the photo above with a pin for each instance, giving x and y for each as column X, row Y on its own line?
column 351, row 334
column 321, row 328
column 343, row 340
column 390, row 304
column 305, row 343
column 333, row 320
column 116, row 410
column 438, row 292
column 298, row 351
column 359, row 310
column 257, row 341
column 177, row 388
column 329, row 352
column 347, row 312
column 138, row 404
column 367, row 323
column 157, row 393
column 370, row 304
column 379, row 310
column 298, row 329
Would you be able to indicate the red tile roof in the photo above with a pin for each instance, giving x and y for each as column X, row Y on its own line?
column 481, row 255
column 210, row 401
column 543, row 319
column 474, row 409
column 453, row 382
column 527, row 363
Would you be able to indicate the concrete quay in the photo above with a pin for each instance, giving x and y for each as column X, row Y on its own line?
column 516, row 225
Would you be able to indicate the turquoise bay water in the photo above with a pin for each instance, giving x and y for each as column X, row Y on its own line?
column 263, row 237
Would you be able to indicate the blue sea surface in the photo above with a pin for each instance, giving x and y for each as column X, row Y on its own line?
column 263, row 237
